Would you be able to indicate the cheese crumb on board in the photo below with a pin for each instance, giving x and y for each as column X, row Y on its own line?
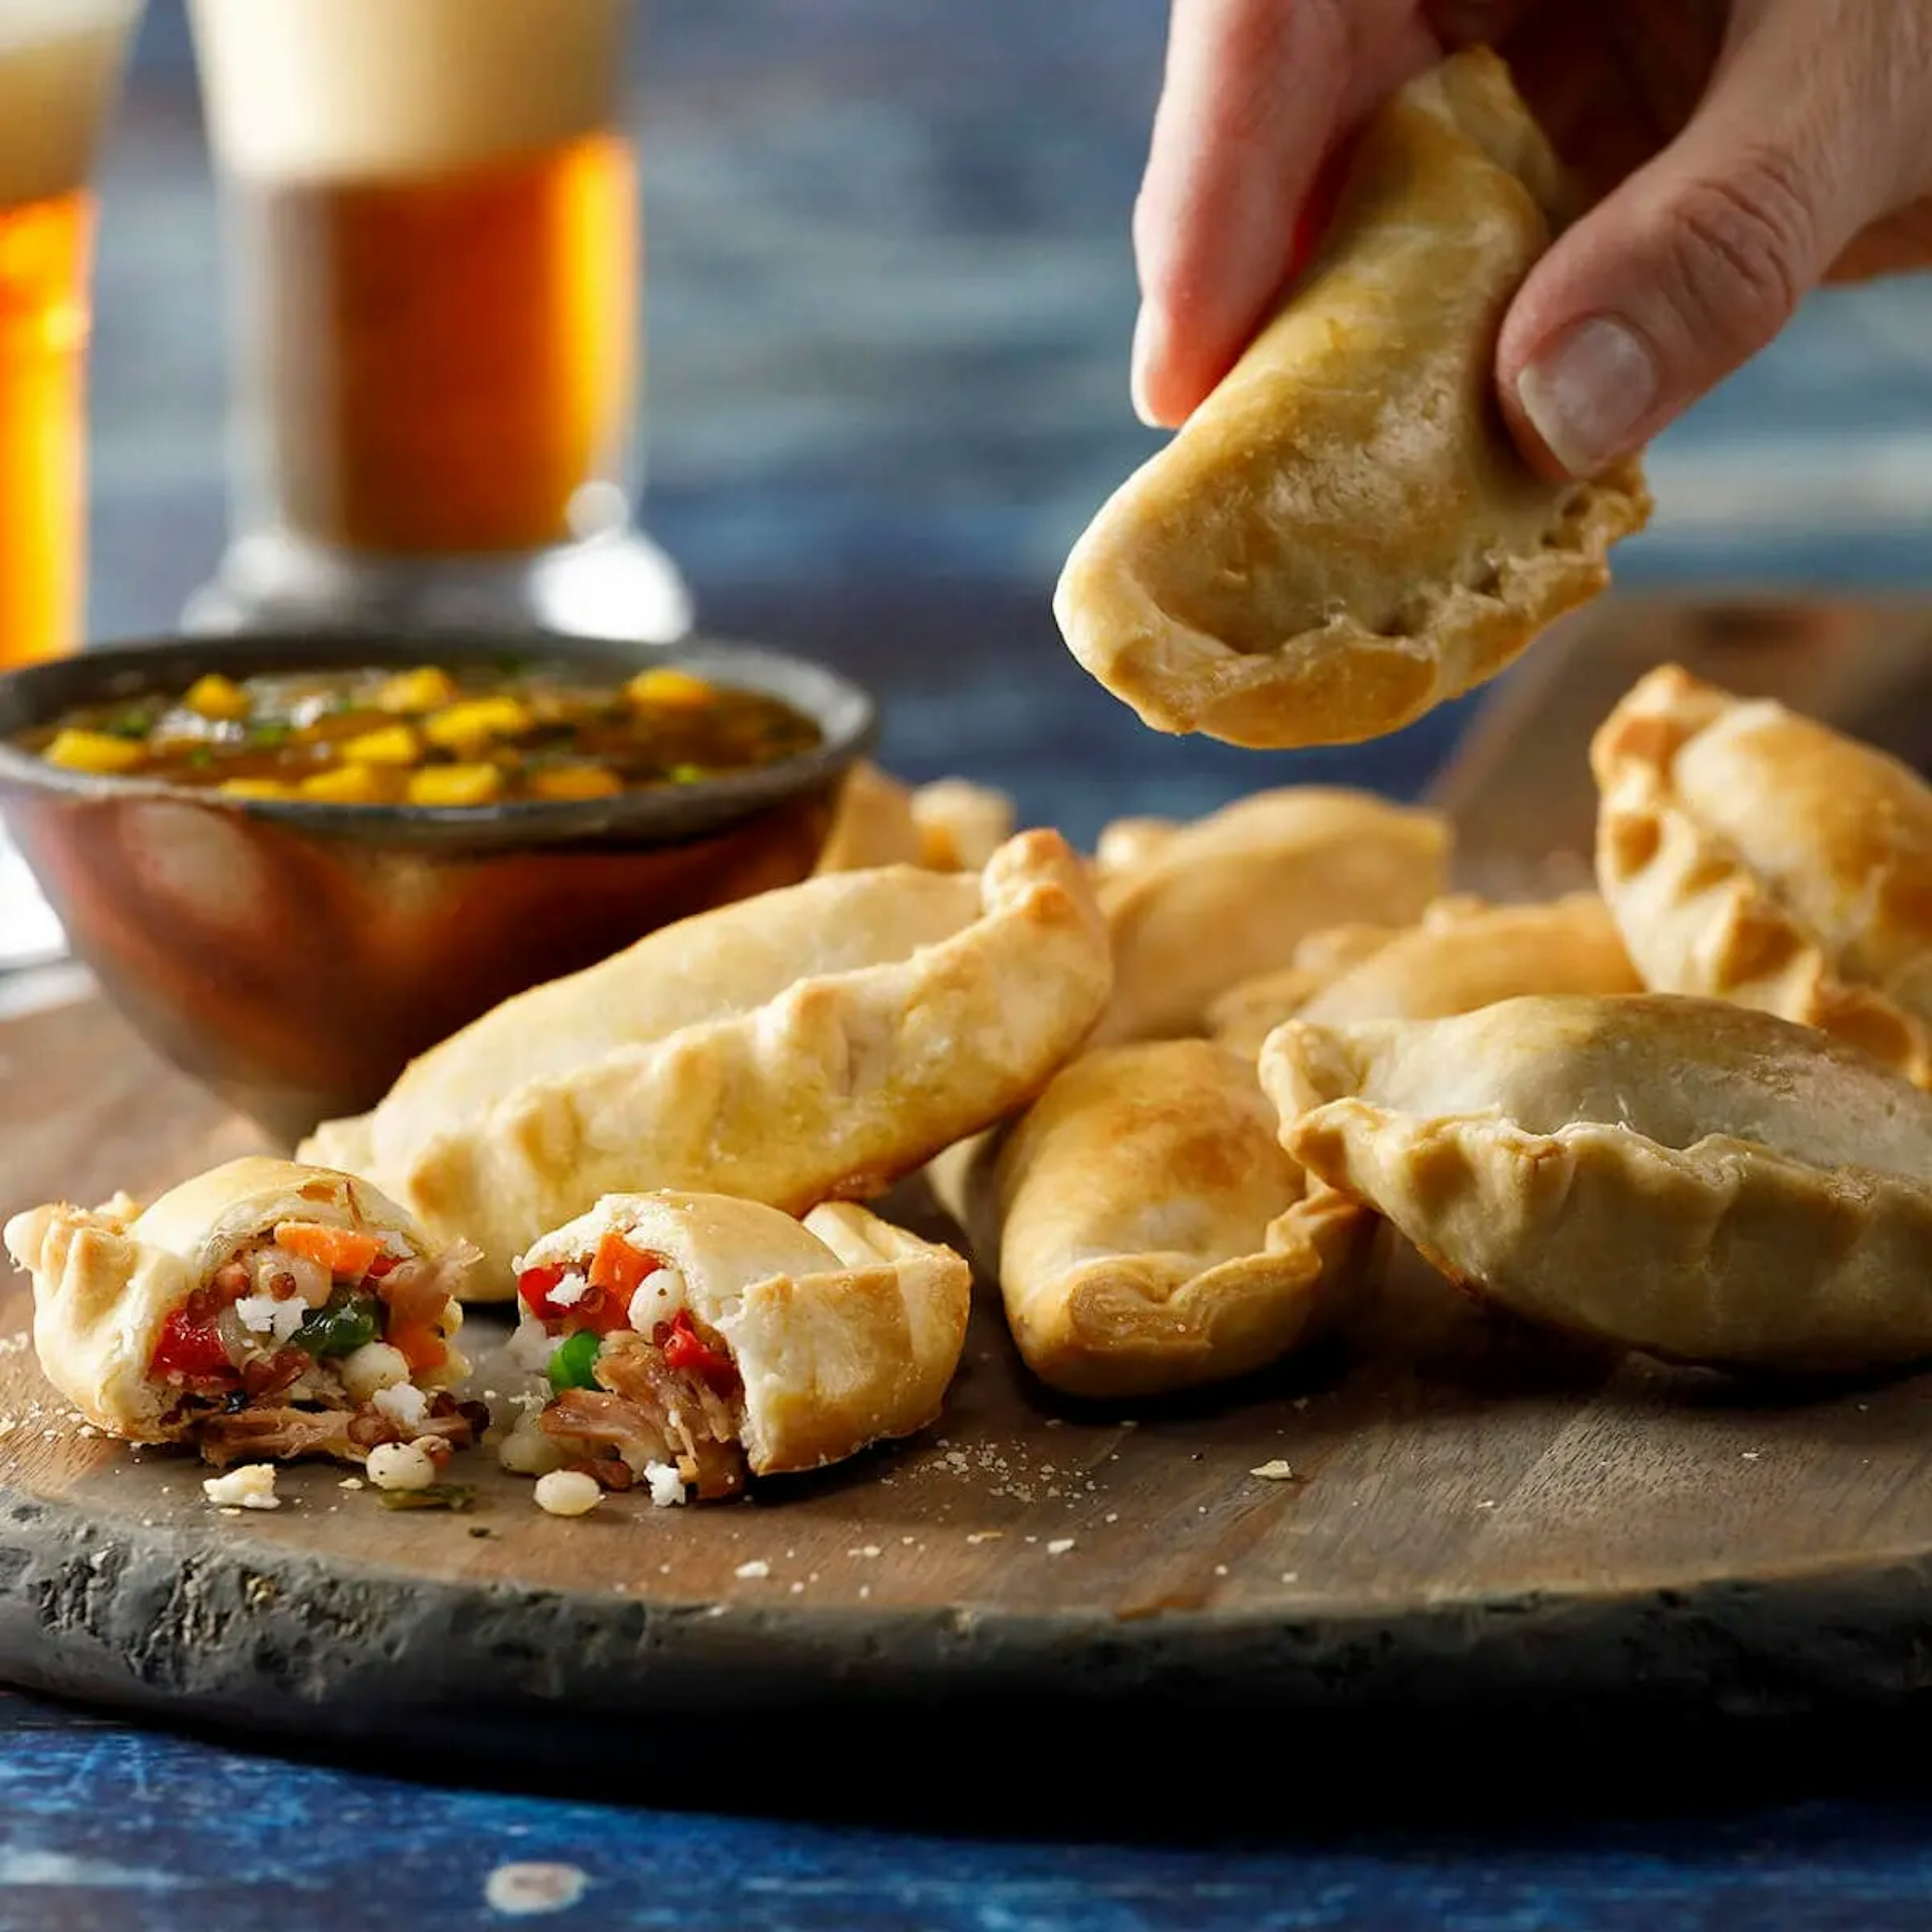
column 1060, row 1545
column 1276, row 1471
column 401, row 1465
column 251, row 1486
column 667, row 1485
column 568, row 1492
column 519, row 1891
column 757, row 1566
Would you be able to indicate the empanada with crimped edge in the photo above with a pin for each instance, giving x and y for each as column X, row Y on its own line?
column 1194, row 909
column 107, row 1281
column 1752, row 854
column 1699, row 1181
column 1463, row 953
column 814, row 1042
column 840, row 1330
column 1343, row 535
column 1146, row 1229
column 949, row 825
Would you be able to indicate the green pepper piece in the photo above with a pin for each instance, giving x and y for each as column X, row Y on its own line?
column 349, row 1322
column 573, row 1365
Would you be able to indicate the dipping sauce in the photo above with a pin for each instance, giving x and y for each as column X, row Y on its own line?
column 429, row 737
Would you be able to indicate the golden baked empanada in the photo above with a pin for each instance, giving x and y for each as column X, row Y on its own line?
column 1147, row 1231
column 872, row 826
column 261, row 1310
column 1343, row 535
column 1195, row 909
column 810, row 1043
column 1707, row 1183
column 1752, row 854
column 694, row 1338
column 961, row 824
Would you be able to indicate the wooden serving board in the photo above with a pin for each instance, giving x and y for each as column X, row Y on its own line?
column 1473, row 1513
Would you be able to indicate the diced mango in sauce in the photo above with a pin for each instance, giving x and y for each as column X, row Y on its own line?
column 347, row 784
column 393, row 745
column 455, row 785
column 673, row 690
column 216, row 697
column 563, row 781
column 427, row 688
column 476, row 721
column 96, row 751
column 257, row 788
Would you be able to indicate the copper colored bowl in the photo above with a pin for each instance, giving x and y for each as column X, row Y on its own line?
column 294, row 957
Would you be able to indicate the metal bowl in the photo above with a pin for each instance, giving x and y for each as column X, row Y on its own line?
column 294, row 957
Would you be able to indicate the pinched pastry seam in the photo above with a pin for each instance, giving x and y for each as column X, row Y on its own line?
column 1843, row 1284
column 1694, row 916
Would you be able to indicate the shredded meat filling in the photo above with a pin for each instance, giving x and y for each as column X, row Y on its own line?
column 263, row 1434
column 648, row 1411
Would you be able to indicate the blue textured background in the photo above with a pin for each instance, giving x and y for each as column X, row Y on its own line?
column 889, row 301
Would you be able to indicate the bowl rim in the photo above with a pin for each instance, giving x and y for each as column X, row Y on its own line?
column 847, row 714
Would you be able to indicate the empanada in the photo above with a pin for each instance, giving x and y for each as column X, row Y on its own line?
column 814, row 1042
column 1343, row 535
column 1752, row 854
column 1697, row 1180
column 961, row 824
column 1146, row 1229
column 1462, row 955
column 261, row 1310
column 1195, row 909
column 950, row 825
column 714, row 1337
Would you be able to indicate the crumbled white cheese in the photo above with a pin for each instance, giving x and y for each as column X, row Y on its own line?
column 408, row 1408
column 667, row 1485
column 1276, row 1471
column 568, row 1492
column 251, row 1486
column 662, row 1289
column 518, row 1891
column 278, row 1315
column 571, row 1289
column 1060, row 1545
column 757, row 1566
column 401, row 1465
column 373, row 1366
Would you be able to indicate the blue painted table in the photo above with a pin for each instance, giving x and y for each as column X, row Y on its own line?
column 890, row 300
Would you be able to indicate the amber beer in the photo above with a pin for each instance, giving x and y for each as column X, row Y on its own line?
column 60, row 67
column 435, row 238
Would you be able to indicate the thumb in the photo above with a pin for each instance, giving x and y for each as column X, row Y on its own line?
column 1700, row 259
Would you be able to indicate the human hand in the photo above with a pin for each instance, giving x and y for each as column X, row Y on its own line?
column 1738, row 153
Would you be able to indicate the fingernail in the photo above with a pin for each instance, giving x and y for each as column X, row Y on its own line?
column 1588, row 393
column 1146, row 331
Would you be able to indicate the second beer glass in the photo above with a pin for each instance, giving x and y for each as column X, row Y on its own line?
column 435, row 242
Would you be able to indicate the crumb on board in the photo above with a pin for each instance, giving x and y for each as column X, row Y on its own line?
column 401, row 1465
column 251, row 1486
column 568, row 1492
column 1274, row 1472
column 757, row 1566
column 1060, row 1545
column 665, row 1484
column 521, row 1890
column 350, row 1483
column 984, row 1535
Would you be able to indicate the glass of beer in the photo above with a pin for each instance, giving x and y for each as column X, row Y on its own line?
column 60, row 72
column 435, row 251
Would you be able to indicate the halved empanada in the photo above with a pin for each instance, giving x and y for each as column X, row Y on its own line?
column 1195, row 909
column 1752, row 854
column 1343, row 535
column 1695, row 1179
column 811, row 1043
column 261, row 1310
column 1147, row 1230
column 712, row 1337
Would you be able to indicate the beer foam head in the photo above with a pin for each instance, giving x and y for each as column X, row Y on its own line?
column 60, row 70
column 336, row 90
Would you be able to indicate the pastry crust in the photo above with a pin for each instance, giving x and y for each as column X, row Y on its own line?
column 1462, row 955
column 844, row 1331
column 961, row 824
column 106, row 1280
column 1147, row 1230
column 1195, row 909
column 1753, row 855
column 812, row 1043
column 1704, row 1182
column 873, row 826
column 1343, row 535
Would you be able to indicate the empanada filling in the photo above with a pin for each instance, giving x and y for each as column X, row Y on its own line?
column 639, row 1386
column 315, row 1340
